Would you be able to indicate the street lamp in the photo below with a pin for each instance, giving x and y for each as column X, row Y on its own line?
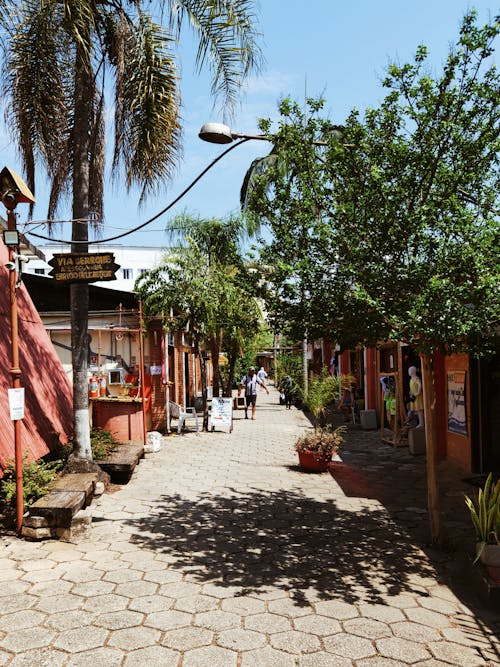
column 14, row 191
column 218, row 133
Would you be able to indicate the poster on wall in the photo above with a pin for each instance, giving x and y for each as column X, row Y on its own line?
column 457, row 415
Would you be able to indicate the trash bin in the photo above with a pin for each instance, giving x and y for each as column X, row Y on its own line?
column 368, row 419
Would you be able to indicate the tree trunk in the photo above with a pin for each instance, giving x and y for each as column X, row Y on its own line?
column 305, row 376
column 203, row 379
column 431, row 447
column 215, row 345
column 80, row 291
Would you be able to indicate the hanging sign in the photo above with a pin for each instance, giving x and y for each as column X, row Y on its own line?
column 16, row 403
column 83, row 268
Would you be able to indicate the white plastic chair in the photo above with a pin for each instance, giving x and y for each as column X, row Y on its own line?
column 181, row 414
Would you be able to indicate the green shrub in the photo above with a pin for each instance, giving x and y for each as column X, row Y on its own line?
column 102, row 443
column 37, row 477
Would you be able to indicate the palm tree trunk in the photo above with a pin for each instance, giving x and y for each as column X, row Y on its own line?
column 80, row 291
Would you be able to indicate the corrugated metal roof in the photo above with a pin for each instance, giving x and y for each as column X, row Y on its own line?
column 48, row 392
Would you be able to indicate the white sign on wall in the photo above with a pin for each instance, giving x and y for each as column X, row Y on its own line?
column 16, row 403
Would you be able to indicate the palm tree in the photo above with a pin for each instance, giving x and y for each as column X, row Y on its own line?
column 63, row 59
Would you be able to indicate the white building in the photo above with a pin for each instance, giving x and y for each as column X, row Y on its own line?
column 132, row 260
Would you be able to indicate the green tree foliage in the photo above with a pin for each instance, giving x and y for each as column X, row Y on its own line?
column 204, row 283
column 63, row 59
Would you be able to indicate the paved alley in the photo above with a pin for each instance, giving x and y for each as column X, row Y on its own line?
column 221, row 552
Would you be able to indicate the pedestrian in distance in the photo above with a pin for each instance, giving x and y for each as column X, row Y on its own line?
column 286, row 388
column 262, row 375
column 249, row 383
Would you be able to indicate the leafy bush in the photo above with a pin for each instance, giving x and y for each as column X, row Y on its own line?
column 37, row 477
column 102, row 443
column 485, row 514
column 323, row 442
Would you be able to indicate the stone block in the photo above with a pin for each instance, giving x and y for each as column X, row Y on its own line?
column 36, row 521
column 99, row 489
column 368, row 419
column 416, row 441
column 79, row 529
column 36, row 533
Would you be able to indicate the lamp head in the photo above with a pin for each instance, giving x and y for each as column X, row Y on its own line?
column 13, row 190
column 216, row 133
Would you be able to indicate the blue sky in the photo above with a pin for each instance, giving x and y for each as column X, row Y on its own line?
column 330, row 48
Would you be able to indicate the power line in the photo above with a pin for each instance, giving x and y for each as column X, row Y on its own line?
column 155, row 217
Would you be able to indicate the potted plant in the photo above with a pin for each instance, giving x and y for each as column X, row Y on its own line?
column 485, row 516
column 316, row 448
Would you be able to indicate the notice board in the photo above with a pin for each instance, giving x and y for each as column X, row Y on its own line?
column 221, row 414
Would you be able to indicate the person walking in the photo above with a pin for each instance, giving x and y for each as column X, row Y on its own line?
column 249, row 382
column 262, row 375
column 286, row 388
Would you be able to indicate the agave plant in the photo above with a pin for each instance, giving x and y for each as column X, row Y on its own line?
column 485, row 515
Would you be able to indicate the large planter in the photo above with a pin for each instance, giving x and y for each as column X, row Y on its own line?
column 490, row 558
column 309, row 461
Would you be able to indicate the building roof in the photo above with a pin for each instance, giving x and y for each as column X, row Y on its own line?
column 48, row 392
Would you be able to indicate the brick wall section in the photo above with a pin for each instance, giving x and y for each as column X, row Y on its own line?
column 158, row 392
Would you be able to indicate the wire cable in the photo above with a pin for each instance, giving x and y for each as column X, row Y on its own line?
column 155, row 217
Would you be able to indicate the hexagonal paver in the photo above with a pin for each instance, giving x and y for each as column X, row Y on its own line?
column 187, row 638
column 130, row 639
column 456, row 654
column 122, row 576
column 349, row 646
column 117, row 620
column 47, row 588
column 336, row 609
column 240, row 640
column 210, row 655
column 167, row 620
column 180, row 589
column 75, row 640
column 163, row 576
column 289, row 608
column 99, row 656
column 268, row 623
column 415, row 632
column 149, row 603
column 322, row 659
column 57, row 603
column 38, row 564
column 294, row 641
column 197, row 603
column 23, row 640
column 90, row 589
column 13, row 587
column 41, row 657
column 244, row 606
column 367, row 627
column 217, row 620
column 267, row 657
column 427, row 617
column 401, row 649
column 152, row 656
column 12, row 603
column 218, row 590
column 382, row 612
column 135, row 589
column 317, row 625
column 80, row 574
column 69, row 619
column 106, row 603
column 20, row 620
column 440, row 605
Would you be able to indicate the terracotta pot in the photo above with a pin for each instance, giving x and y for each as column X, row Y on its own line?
column 309, row 461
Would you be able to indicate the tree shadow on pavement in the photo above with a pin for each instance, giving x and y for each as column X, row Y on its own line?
column 284, row 539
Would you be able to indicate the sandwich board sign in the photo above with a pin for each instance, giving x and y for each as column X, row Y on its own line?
column 221, row 413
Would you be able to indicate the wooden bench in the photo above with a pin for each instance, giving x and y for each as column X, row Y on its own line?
column 176, row 411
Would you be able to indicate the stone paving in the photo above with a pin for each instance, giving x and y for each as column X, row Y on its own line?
column 221, row 552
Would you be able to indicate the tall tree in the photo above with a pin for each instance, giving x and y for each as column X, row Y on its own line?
column 205, row 282
column 63, row 58
column 411, row 212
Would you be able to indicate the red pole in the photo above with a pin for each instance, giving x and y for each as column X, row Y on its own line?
column 15, row 372
column 141, row 362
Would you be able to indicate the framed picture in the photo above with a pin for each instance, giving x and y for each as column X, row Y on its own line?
column 457, row 407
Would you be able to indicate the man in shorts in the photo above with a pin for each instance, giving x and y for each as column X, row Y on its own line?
column 250, row 382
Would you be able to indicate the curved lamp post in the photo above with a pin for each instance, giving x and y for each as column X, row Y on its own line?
column 14, row 191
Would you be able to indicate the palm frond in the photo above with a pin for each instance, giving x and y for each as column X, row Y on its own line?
column 227, row 41
column 149, row 143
